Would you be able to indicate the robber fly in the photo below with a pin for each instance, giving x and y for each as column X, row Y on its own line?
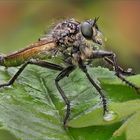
column 75, row 44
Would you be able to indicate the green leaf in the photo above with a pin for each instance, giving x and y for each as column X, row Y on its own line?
column 94, row 118
column 131, row 127
column 32, row 108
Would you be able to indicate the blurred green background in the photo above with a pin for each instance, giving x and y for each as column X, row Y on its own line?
column 23, row 22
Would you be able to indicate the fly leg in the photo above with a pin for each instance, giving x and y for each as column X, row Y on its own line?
column 97, row 87
column 121, row 70
column 106, row 54
column 34, row 62
column 62, row 74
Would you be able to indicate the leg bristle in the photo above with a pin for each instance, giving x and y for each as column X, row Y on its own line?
column 130, row 84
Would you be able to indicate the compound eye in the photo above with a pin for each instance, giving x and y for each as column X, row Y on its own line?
column 86, row 30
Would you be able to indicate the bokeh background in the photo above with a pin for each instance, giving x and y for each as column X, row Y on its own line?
column 23, row 22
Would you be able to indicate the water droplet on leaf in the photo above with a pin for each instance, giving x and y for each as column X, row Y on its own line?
column 110, row 116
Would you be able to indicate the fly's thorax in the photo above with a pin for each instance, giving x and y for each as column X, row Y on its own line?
column 65, row 32
column 68, row 36
column 85, row 52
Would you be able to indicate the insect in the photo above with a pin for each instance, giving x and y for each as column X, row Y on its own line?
column 74, row 43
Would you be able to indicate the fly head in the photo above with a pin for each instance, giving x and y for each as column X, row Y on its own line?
column 90, row 31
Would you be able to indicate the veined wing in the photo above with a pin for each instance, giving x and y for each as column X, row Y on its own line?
column 32, row 51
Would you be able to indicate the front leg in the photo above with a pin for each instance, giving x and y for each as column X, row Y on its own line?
column 127, row 72
column 106, row 54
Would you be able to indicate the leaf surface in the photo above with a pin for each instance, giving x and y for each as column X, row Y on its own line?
column 33, row 109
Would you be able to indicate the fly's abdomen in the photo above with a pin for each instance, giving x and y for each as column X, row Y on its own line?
column 33, row 51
